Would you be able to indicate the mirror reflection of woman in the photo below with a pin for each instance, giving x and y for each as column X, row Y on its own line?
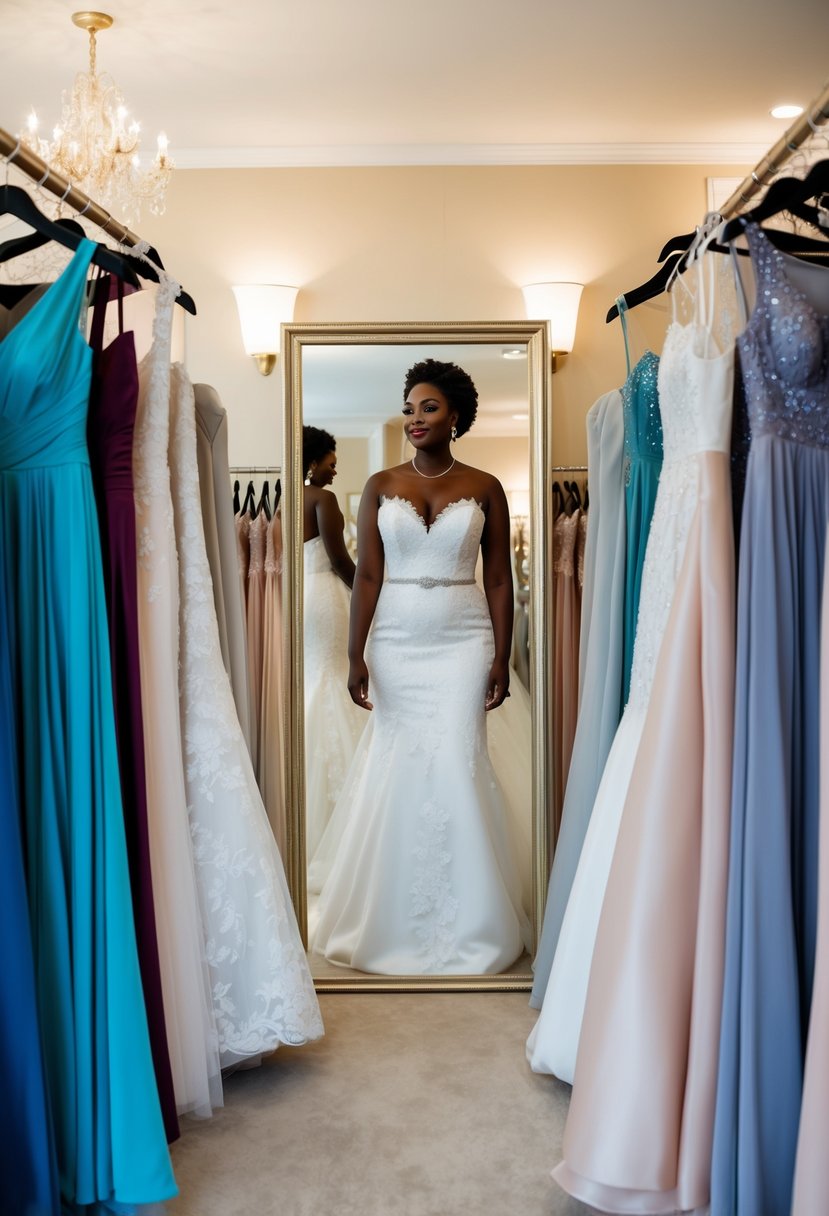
column 423, row 878
column 332, row 723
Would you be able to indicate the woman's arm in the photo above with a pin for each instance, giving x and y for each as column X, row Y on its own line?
column 495, row 548
column 367, row 583
column 331, row 523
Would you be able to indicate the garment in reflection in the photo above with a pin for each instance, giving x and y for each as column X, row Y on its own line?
column 333, row 723
column 424, row 878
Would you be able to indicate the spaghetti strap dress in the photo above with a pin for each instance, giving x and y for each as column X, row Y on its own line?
column 109, row 1133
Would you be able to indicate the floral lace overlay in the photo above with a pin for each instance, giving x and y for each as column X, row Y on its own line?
column 432, row 904
column 263, row 994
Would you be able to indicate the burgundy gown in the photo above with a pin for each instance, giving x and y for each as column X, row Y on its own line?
column 112, row 406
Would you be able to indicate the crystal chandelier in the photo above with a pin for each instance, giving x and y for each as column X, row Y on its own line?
column 96, row 144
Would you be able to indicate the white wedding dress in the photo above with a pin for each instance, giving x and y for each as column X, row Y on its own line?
column 424, row 878
column 333, row 723
column 261, row 987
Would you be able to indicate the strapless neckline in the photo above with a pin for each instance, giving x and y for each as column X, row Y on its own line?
column 408, row 505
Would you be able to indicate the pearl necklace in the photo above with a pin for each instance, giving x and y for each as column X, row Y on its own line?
column 431, row 476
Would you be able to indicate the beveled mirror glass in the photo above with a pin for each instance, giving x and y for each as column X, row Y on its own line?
column 348, row 380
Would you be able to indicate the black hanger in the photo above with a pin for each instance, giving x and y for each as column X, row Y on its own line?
column 573, row 500
column 786, row 194
column 249, row 505
column 265, row 500
column 16, row 247
column 277, row 495
column 15, row 201
column 558, row 500
column 586, row 496
column 650, row 290
column 236, row 497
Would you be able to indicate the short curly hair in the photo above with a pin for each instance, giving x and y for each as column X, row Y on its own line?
column 316, row 443
column 456, row 385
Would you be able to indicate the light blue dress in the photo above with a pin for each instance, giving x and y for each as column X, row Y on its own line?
column 109, row 1134
column 600, row 658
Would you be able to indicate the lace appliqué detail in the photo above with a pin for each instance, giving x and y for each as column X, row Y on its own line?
column 432, row 902
column 262, row 990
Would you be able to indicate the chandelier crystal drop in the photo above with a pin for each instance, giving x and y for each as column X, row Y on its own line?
column 96, row 143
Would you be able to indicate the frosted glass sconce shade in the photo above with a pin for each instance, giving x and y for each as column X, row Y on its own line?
column 557, row 303
column 262, row 309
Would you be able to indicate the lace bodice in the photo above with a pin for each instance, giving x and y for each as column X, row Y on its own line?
column 445, row 549
column 565, row 536
column 315, row 556
column 784, row 353
column 695, row 388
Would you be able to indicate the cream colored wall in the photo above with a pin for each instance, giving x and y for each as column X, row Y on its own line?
column 352, row 468
column 419, row 243
column 506, row 457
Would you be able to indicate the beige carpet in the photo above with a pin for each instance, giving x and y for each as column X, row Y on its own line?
column 417, row 1105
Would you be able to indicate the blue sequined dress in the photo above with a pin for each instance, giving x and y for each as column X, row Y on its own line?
column 772, row 889
column 109, row 1136
column 643, row 465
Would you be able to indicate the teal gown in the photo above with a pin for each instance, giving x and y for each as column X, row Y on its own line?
column 109, row 1135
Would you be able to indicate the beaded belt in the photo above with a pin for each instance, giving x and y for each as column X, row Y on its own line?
column 428, row 582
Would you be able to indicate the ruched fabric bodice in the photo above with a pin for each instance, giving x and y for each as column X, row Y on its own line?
column 44, row 400
column 784, row 354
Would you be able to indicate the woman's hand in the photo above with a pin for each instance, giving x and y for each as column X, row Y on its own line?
column 497, row 687
column 358, row 683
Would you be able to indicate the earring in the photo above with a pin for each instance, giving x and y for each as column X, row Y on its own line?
column 454, row 432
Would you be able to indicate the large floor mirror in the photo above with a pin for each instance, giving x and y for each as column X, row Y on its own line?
column 348, row 382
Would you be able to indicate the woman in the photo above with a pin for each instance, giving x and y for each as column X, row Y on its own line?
column 332, row 724
column 424, row 879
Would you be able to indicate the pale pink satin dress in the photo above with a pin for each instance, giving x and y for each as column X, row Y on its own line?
column 639, row 1131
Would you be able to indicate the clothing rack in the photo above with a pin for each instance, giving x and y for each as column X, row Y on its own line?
column 272, row 471
column 42, row 174
column 815, row 115
column 569, row 468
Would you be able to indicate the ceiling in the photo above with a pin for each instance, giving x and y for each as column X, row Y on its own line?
column 437, row 81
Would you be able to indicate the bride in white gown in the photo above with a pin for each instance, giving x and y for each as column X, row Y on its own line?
column 333, row 723
column 424, row 879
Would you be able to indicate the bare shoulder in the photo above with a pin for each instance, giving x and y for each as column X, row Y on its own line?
column 386, row 481
column 482, row 485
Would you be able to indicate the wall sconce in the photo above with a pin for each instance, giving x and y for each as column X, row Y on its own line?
column 262, row 309
column 557, row 303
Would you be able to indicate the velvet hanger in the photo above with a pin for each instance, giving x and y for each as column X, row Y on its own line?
column 249, row 505
column 15, row 201
column 265, row 500
column 277, row 495
column 558, row 500
column 786, row 194
column 650, row 290
column 236, row 488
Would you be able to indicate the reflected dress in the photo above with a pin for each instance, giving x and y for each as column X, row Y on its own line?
column 109, row 1132
column 424, row 880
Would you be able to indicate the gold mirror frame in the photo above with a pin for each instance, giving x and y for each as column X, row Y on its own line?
column 295, row 337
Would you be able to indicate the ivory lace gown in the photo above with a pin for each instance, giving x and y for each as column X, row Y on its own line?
column 188, row 1011
column 424, row 879
column 261, row 987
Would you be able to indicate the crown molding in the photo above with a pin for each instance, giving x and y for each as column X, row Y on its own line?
column 371, row 155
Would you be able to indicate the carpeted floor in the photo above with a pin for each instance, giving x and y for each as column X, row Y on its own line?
column 412, row 1105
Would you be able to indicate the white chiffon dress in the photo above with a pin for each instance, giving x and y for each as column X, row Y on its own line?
column 424, row 879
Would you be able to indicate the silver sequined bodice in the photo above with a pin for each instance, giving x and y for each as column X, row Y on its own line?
column 784, row 354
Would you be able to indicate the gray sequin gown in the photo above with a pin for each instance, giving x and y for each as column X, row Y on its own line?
column 773, row 875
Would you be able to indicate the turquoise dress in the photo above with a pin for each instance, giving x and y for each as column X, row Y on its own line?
column 643, row 464
column 109, row 1135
